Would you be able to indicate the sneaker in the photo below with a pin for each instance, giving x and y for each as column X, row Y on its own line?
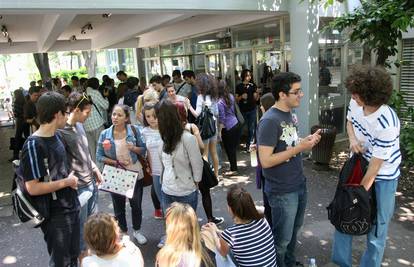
column 141, row 239
column 158, row 214
column 217, row 220
column 162, row 241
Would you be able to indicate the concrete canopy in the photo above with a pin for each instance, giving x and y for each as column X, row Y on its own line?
column 44, row 25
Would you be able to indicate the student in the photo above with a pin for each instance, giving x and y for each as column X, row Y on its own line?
column 153, row 142
column 229, row 127
column 44, row 158
column 280, row 157
column 126, row 145
column 373, row 129
column 29, row 108
column 246, row 96
column 107, row 250
column 208, row 97
column 266, row 102
column 250, row 238
column 183, row 246
column 182, row 166
column 74, row 138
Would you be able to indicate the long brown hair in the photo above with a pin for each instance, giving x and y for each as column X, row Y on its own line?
column 241, row 204
column 169, row 124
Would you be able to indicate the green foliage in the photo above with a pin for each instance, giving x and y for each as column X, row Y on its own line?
column 406, row 115
column 81, row 72
column 378, row 24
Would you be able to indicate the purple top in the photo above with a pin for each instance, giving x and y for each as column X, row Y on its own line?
column 227, row 115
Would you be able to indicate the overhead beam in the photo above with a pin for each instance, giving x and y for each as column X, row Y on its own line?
column 132, row 26
column 193, row 26
column 77, row 6
column 51, row 28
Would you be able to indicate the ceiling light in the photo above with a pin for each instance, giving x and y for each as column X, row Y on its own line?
column 87, row 26
column 73, row 38
column 207, row 41
column 4, row 31
column 9, row 40
column 106, row 15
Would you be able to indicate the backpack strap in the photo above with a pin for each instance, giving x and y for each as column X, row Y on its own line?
column 179, row 88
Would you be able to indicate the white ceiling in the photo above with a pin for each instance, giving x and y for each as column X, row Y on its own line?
column 52, row 31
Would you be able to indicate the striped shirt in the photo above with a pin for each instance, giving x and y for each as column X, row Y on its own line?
column 252, row 243
column 379, row 133
column 153, row 142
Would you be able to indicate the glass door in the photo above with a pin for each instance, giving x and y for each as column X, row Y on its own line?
column 268, row 63
column 242, row 60
column 213, row 64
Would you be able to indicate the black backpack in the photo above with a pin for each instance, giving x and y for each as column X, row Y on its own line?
column 353, row 209
column 206, row 123
column 31, row 210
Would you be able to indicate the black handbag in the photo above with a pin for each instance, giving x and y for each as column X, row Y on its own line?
column 206, row 123
column 209, row 179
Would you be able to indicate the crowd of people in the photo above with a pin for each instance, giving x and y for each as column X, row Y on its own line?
column 68, row 134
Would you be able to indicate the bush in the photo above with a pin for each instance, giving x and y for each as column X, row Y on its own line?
column 81, row 72
column 406, row 115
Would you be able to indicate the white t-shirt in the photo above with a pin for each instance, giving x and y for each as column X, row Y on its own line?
column 128, row 256
column 153, row 142
column 379, row 134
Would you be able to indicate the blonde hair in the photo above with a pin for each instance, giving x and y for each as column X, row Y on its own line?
column 101, row 233
column 183, row 237
column 149, row 95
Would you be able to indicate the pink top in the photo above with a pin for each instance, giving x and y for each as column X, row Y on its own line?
column 122, row 154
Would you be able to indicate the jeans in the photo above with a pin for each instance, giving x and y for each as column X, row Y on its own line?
column 231, row 139
column 288, row 211
column 61, row 233
column 250, row 119
column 22, row 128
column 136, row 211
column 372, row 257
column 156, row 187
column 88, row 198
column 190, row 199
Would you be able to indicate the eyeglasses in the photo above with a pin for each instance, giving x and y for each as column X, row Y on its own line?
column 297, row 92
column 84, row 97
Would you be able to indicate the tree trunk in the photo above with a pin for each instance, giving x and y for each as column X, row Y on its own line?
column 42, row 63
column 90, row 62
column 382, row 56
column 366, row 55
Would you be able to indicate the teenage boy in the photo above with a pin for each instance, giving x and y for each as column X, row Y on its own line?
column 80, row 161
column 280, row 155
column 373, row 129
column 47, row 179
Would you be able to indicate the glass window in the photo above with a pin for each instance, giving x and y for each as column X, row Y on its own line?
column 166, row 50
column 152, row 67
column 169, row 64
column 332, row 95
column 212, row 41
column 267, row 33
column 242, row 60
column 199, row 64
column 153, row 52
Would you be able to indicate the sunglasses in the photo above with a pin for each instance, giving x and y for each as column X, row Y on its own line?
column 84, row 97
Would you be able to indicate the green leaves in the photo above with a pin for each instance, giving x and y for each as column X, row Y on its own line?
column 378, row 24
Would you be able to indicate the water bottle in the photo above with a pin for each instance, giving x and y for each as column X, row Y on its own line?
column 312, row 262
column 253, row 158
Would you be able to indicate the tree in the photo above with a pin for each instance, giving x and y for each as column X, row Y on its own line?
column 378, row 25
column 42, row 63
column 90, row 62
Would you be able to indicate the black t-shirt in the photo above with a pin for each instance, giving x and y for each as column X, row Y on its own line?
column 248, row 104
column 29, row 110
column 40, row 154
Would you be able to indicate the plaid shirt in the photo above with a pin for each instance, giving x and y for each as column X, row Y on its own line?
column 95, row 119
